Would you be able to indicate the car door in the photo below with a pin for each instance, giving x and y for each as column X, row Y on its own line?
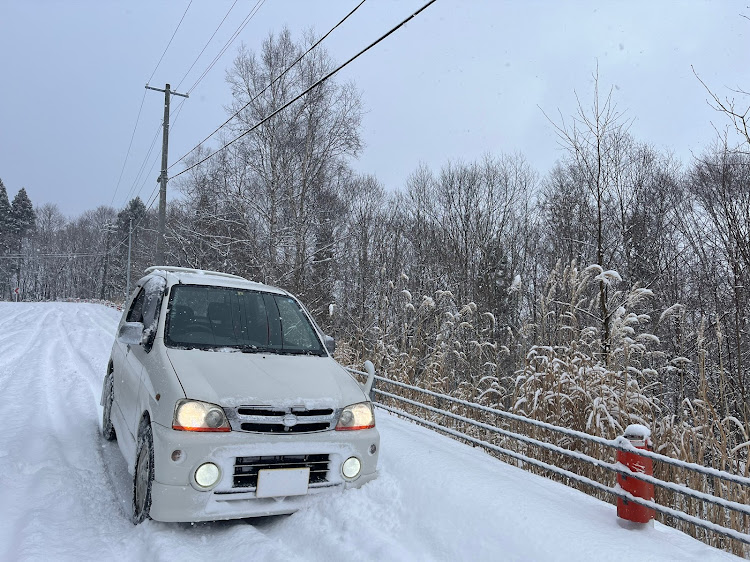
column 142, row 361
column 127, row 378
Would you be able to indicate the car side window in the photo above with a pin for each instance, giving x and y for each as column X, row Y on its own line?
column 135, row 314
column 153, row 292
column 296, row 329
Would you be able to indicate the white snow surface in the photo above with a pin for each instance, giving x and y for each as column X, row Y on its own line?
column 65, row 491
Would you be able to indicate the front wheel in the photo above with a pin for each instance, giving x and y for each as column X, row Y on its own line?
column 144, row 473
column 108, row 430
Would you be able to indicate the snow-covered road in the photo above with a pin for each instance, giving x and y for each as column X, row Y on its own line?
column 64, row 491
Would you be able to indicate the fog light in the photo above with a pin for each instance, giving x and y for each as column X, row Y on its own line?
column 351, row 467
column 176, row 455
column 207, row 475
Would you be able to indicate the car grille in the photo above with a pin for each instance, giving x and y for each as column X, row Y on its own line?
column 264, row 419
column 246, row 468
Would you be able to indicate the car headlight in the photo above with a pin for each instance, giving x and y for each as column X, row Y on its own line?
column 207, row 475
column 351, row 467
column 356, row 416
column 192, row 415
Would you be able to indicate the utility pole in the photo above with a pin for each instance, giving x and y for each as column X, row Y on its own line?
column 108, row 229
column 130, row 235
column 163, row 175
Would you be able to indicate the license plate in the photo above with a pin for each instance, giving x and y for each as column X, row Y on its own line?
column 274, row 483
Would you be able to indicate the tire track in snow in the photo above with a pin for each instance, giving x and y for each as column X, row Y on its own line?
column 90, row 339
column 58, row 467
column 21, row 325
column 74, row 486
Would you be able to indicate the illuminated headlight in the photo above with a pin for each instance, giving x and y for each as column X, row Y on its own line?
column 356, row 416
column 351, row 467
column 207, row 475
column 192, row 415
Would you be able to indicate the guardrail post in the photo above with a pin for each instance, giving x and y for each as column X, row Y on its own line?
column 640, row 437
column 370, row 368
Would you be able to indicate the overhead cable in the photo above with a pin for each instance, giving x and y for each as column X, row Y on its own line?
column 170, row 42
column 137, row 119
column 143, row 165
column 229, row 42
column 303, row 55
column 318, row 83
column 130, row 145
column 206, row 45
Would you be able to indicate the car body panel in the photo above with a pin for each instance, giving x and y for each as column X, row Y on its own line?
column 160, row 386
column 234, row 378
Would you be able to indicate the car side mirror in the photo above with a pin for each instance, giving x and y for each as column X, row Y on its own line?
column 130, row 333
column 330, row 344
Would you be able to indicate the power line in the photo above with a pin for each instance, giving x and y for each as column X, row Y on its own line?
column 177, row 111
column 318, row 83
column 140, row 109
column 143, row 164
column 207, row 43
column 303, row 55
column 170, row 42
column 229, row 42
column 150, row 199
column 132, row 136
column 70, row 255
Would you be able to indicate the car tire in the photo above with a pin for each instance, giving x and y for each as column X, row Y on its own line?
column 108, row 430
column 143, row 475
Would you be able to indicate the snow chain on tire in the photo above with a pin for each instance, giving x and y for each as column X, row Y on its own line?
column 143, row 475
column 108, row 430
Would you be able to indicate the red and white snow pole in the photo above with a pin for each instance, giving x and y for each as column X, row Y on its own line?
column 640, row 437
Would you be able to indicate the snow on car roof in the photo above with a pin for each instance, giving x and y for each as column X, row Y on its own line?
column 188, row 276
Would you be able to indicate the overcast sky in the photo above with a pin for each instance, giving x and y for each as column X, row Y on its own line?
column 461, row 80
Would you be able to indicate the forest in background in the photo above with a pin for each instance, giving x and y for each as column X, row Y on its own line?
column 609, row 290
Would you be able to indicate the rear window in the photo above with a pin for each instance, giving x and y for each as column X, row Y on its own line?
column 208, row 317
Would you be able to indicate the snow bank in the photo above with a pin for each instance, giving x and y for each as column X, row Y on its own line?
column 66, row 491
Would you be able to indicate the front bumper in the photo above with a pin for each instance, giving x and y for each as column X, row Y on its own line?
column 175, row 496
column 184, row 503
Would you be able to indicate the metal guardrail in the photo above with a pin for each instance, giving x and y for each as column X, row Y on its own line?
column 619, row 444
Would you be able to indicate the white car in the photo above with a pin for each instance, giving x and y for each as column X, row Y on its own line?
column 226, row 403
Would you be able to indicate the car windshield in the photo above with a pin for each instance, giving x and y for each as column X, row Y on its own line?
column 209, row 317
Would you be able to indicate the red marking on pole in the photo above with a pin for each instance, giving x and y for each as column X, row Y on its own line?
column 636, row 463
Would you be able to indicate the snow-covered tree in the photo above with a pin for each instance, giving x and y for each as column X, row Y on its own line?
column 23, row 216
column 6, row 219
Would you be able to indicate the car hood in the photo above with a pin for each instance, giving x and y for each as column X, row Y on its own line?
column 232, row 379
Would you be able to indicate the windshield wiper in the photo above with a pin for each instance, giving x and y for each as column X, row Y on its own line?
column 252, row 349
column 249, row 348
column 299, row 352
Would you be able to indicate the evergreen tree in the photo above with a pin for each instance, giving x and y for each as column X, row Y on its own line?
column 22, row 221
column 23, row 216
column 135, row 210
column 5, row 219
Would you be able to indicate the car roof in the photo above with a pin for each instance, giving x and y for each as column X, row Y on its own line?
column 188, row 276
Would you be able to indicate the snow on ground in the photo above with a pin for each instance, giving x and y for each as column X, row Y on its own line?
column 65, row 491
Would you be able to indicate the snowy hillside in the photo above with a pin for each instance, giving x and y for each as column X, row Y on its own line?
column 65, row 491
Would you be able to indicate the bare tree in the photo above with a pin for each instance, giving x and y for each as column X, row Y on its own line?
column 597, row 143
column 292, row 161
